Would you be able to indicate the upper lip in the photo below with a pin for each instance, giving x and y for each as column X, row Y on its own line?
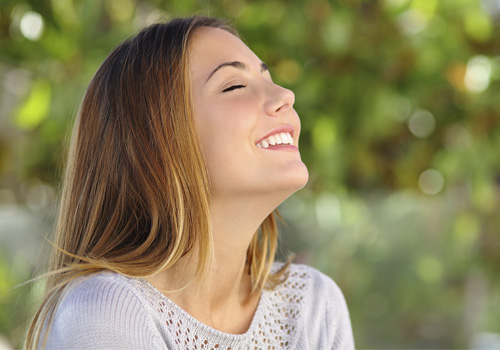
column 283, row 128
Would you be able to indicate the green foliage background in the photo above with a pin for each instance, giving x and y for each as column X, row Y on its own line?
column 401, row 134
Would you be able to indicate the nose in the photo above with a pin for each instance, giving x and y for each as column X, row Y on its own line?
column 280, row 100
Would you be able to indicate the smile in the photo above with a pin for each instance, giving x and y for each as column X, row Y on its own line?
column 280, row 138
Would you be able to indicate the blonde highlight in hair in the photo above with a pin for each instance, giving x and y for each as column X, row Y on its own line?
column 136, row 192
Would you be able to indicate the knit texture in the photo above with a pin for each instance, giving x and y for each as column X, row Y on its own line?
column 111, row 311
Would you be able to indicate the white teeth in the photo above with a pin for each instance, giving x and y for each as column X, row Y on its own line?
column 283, row 138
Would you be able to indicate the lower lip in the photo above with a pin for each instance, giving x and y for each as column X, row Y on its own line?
column 289, row 148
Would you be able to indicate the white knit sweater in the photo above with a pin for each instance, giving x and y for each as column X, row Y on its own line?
column 111, row 311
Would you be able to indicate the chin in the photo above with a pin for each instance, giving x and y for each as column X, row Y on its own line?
column 300, row 182
column 292, row 182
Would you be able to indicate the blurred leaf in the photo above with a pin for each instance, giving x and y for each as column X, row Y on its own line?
column 478, row 25
column 35, row 109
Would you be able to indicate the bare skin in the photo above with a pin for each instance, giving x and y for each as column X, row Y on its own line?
column 235, row 106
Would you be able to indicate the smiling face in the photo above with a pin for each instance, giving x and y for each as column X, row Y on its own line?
column 246, row 124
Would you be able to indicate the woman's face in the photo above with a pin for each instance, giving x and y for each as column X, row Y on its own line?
column 244, row 121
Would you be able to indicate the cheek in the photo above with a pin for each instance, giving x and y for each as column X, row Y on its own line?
column 209, row 137
column 295, row 121
column 231, row 121
column 219, row 136
column 225, row 128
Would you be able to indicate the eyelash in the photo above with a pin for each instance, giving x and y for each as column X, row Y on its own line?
column 234, row 87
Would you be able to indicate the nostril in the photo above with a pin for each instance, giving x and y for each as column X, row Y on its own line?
column 283, row 108
column 281, row 100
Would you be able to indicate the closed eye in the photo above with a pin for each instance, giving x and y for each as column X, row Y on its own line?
column 233, row 87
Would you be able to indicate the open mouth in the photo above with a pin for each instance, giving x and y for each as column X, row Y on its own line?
column 278, row 139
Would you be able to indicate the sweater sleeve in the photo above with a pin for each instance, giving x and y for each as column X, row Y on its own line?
column 326, row 317
column 103, row 313
column 337, row 318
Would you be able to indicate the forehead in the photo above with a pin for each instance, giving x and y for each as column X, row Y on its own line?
column 211, row 47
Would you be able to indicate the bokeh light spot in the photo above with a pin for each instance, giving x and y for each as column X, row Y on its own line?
column 422, row 123
column 31, row 25
column 411, row 22
column 288, row 71
column 39, row 195
column 431, row 182
column 403, row 109
column 478, row 74
column 336, row 33
column 478, row 25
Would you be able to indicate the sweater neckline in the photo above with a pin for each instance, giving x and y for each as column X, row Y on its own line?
column 200, row 325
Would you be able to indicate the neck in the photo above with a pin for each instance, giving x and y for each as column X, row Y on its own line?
column 228, row 287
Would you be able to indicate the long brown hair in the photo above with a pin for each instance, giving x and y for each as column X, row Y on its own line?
column 136, row 192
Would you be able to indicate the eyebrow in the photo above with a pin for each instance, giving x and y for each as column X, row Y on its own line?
column 238, row 65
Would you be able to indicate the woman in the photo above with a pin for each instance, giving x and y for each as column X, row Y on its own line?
column 166, row 237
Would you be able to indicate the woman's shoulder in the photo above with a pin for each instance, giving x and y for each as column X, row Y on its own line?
column 321, row 304
column 308, row 279
column 307, row 286
column 100, row 291
column 103, row 280
column 101, row 310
